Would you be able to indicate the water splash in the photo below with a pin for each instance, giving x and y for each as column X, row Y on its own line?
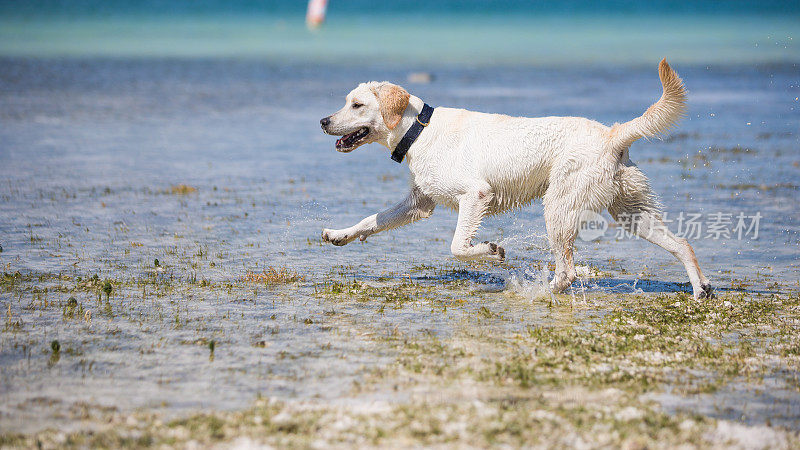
column 531, row 283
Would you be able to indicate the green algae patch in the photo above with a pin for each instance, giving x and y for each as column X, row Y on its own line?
column 554, row 418
column 181, row 189
column 517, row 421
column 393, row 294
column 639, row 344
column 271, row 276
column 646, row 342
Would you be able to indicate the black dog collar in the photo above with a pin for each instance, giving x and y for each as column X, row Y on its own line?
column 423, row 119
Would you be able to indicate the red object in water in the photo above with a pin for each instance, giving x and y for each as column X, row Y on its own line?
column 316, row 13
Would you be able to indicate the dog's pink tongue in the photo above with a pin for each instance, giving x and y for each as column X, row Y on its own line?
column 339, row 141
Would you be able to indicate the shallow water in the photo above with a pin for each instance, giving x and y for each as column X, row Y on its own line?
column 90, row 150
column 94, row 144
column 771, row 401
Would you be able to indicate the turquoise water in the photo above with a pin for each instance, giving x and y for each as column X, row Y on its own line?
column 365, row 36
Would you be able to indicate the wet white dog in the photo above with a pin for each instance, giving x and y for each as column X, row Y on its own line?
column 481, row 164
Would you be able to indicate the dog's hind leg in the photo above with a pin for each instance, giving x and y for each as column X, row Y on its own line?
column 649, row 226
column 637, row 211
column 472, row 206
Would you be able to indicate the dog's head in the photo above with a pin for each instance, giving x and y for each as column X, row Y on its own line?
column 371, row 111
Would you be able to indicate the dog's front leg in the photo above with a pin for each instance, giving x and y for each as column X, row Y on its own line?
column 472, row 206
column 414, row 207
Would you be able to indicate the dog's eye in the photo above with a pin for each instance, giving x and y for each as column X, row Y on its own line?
column 357, row 105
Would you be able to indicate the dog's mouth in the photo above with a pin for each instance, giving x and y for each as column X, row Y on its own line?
column 350, row 141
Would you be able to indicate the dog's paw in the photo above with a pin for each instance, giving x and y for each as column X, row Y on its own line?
column 336, row 237
column 707, row 292
column 561, row 281
column 496, row 252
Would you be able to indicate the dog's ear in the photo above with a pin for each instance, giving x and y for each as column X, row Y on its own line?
column 393, row 100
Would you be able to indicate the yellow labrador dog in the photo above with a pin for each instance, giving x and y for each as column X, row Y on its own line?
column 481, row 164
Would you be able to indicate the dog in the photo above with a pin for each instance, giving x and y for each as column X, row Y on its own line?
column 481, row 164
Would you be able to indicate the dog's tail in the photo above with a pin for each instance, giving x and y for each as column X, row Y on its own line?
column 659, row 117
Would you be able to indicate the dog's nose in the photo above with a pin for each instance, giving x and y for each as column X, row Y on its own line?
column 325, row 122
